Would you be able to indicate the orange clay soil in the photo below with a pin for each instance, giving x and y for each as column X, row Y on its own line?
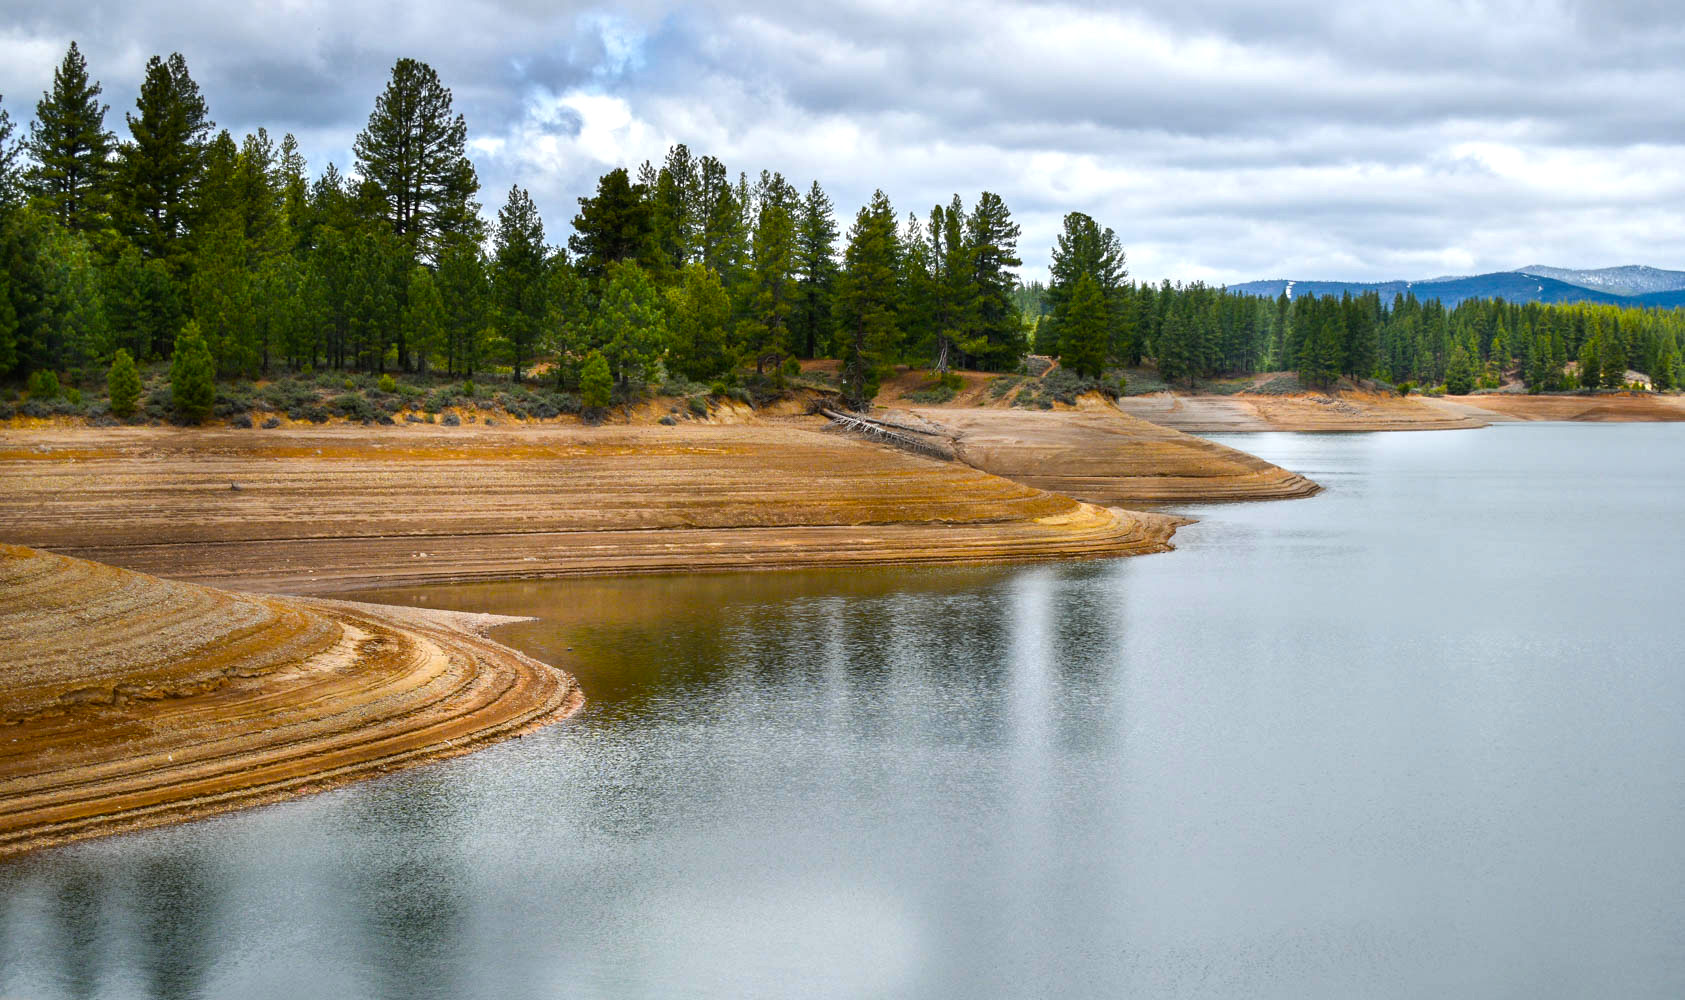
column 1099, row 454
column 129, row 701
column 333, row 509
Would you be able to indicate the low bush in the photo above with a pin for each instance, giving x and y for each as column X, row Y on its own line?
column 698, row 405
column 932, row 394
column 1000, row 385
column 451, row 420
column 1281, row 385
column 353, row 406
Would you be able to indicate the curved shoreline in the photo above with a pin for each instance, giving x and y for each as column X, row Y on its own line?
column 247, row 699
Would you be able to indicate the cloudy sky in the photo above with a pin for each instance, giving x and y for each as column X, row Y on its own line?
column 1223, row 140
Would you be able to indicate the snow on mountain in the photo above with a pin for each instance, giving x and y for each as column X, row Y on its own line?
column 1633, row 279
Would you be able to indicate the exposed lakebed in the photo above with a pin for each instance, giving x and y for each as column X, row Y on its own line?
column 1419, row 735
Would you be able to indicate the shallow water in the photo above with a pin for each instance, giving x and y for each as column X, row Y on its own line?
column 1423, row 735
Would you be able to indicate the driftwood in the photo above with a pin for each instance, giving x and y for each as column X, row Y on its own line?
column 900, row 435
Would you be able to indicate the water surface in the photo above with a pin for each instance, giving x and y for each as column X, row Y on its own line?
column 1422, row 735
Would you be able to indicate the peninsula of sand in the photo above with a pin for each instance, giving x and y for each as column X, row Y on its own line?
column 152, row 674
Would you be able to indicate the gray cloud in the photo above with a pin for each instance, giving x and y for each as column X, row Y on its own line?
column 1223, row 140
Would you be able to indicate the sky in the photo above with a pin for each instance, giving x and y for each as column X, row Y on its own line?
column 1223, row 141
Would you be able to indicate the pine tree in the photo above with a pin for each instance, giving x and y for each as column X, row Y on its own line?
column 816, row 273
column 143, row 307
column 71, row 148
column 612, row 226
column 596, row 385
column 424, row 317
column 122, row 384
column 722, row 242
column 995, row 340
column 518, row 276
column 766, row 331
column 8, row 161
column 160, row 166
column 1459, row 373
column 1174, row 348
column 1084, row 328
column 414, row 151
column 630, row 327
column 700, row 315
column 466, row 294
column 866, row 301
column 220, row 290
column 1082, row 247
column 192, row 376
column 954, row 288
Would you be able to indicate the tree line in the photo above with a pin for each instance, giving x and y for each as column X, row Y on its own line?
column 1194, row 331
column 228, row 258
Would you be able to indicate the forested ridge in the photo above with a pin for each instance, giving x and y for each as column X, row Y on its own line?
column 229, row 259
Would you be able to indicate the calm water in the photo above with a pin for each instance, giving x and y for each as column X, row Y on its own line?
column 1422, row 736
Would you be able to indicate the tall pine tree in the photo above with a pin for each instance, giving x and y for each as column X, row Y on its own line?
column 414, row 151
column 71, row 148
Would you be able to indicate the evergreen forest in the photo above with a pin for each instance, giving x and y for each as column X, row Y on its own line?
column 164, row 243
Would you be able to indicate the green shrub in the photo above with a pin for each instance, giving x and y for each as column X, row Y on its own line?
column 698, row 405
column 44, row 385
column 192, row 376
column 388, row 385
column 353, row 406
column 73, row 396
column 792, row 367
column 718, row 388
column 469, row 389
column 932, row 394
column 596, row 387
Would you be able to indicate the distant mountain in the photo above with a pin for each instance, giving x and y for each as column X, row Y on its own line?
column 1634, row 286
column 1633, row 279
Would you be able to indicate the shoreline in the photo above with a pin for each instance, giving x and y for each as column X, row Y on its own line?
column 331, row 510
column 157, row 676
column 200, row 701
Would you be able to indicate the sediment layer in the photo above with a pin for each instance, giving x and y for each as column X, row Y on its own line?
column 130, row 701
column 1612, row 408
column 332, row 509
column 1315, row 412
column 1101, row 455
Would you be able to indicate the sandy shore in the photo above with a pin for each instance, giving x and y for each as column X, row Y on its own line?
column 131, row 701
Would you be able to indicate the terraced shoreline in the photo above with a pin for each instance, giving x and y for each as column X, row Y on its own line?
column 334, row 509
column 130, row 701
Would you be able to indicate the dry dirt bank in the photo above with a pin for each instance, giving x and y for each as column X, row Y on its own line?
column 1099, row 454
column 331, row 509
column 1614, row 408
column 1345, row 411
column 130, row 701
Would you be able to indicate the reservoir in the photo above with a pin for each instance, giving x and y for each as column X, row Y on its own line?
column 1420, row 735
